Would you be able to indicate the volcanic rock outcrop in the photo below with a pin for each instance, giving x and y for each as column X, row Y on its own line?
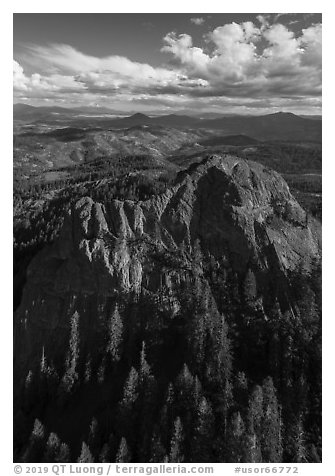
column 242, row 215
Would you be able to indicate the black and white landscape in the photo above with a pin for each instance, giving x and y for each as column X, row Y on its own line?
column 167, row 238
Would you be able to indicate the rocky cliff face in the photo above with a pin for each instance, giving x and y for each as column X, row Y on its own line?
column 242, row 215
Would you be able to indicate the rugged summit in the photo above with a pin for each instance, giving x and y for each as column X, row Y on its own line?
column 242, row 215
column 237, row 209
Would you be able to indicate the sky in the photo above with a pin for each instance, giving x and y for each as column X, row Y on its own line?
column 162, row 63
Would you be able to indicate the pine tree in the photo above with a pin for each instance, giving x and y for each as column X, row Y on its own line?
column 199, row 322
column 64, row 454
column 296, row 441
column 219, row 367
column 48, row 378
column 197, row 392
column 108, row 450
column 147, row 402
column 88, row 369
column 130, row 389
column 71, row 376
column 203, row 433
column 176, row 447
column 167, row 416
column 254, row 420
column 252, row 449
column 43, row 363
column 36, row 444
column 255, row 410
column 241, row 389
column 236, row 437
column 52, row 448
column 145, row 370
column 85, row 455
column 157, row 450
column 123, row 455
column 30, row 390
column 74, row 342
column 94, row 436
column 104, row 456
column 223, row 347
column 184, row 385
column 101, row 371
column 115, row 335
column 271, row 424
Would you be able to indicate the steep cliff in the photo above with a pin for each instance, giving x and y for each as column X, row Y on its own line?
column 227, row 228
column 243, row 215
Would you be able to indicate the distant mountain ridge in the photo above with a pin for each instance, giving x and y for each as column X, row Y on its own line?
column 277, row 126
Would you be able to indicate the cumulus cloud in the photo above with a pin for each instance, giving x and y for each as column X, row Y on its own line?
column 39, row 83
column 19, row 78
column 251, row 62
column 285, row 65
column 197, row 20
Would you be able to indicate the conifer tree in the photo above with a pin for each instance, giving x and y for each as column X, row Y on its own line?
column 157, row 450
column 85, row 455
column 115, row 335
column 64, row 454
column 252, row 450
column 199, row 322
column 271, row 425
column 197, row 391
column 74, row 342
column 108, row 450
column 43, row 363
column 167, row 416
column 236, row 437
column 94, row 436
column 241, row 389
column 88, row 369
column 123, row 455
column 30, row 390
column 71, row 375
column 297, row 446
column 104, row 456
column 184, row 385
column 147, row 402
column 145, row 370
column 36, row 444
column 52, row 448
column 203, row 433
column 219, row 367
column 255, row 410
column 130, row 389
column 176, row 447
column 101, row 371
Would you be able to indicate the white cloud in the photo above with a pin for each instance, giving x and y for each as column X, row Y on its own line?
column 311, row 41
column 240, row 61
column 19, row 78
column 197, row 20
column 40, row 85
column 68, row 60
column 284, row 65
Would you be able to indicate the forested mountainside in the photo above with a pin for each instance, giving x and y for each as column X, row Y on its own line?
column 184, row 326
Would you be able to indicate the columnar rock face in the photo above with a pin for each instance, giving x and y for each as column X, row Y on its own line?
column 242, row 214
